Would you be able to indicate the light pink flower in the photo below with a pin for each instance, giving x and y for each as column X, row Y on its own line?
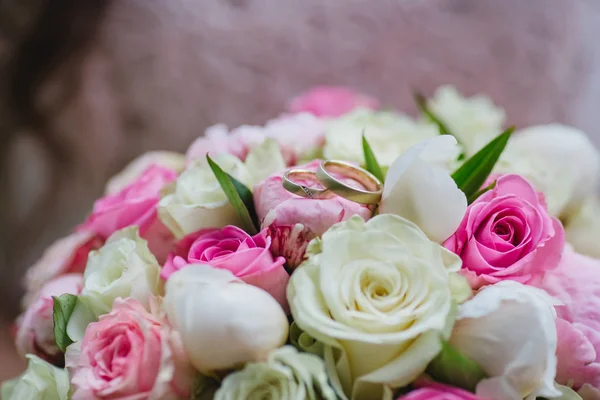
column 136, row 204
column 507, row 234
column 576, row 283
column 292, row 221
column 35, row 327
column 296, row 134
column 65, row 256
column 437, row 391
column 331, row 101
column 129, row 354
column 217, row 140
column 247, row 257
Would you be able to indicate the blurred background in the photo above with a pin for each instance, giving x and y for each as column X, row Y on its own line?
column 86, row 85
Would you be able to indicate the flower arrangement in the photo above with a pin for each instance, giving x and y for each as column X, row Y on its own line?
column 337, row 252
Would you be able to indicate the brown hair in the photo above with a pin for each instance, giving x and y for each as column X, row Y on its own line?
column 39, row 39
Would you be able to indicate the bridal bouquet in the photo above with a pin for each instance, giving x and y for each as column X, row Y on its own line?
column 337, row 252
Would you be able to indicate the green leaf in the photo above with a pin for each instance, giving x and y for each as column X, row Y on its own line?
column 474, row 172
column 454, row 368
column 482, row 191
column 63, row 308
column 238, row 195
column 424, row 108
column 371, row 163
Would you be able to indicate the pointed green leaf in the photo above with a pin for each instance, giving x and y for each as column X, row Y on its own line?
column 63, row 308
column 371, row 163
column 474, row 172
column 424, row 108
column 238, row 195
column 454, row 368
column 482, row 191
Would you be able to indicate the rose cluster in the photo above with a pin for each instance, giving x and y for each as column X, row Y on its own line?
column 202, row 276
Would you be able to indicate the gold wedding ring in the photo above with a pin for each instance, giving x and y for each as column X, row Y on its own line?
column 302, row 190
column 373, row 186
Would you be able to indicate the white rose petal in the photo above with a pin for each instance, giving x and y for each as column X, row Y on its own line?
column 424, row 192
column 287, row 375
column 223, row 322
column 389, row 135
column 508, row 329
column 41, row 381
column 197, row 200
column 582, row 227
column 123, row 267
column 474, row 120
column 558, row 160
column 264, row 160
column 378, row 292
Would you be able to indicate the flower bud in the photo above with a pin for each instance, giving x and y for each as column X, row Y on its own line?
column 223, row 322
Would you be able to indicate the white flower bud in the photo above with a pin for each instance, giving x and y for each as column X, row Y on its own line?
column 223, row 322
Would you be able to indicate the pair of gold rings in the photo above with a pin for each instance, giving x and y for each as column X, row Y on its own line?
column 333, row 186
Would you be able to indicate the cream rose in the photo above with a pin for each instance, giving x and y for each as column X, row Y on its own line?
column 286, row 375
column 559, row 160
column 197, row 201
column 41, row 381
column 474, row 120
column 123, row 267
column 582, row 227
column 389, row 135
column 378, row 294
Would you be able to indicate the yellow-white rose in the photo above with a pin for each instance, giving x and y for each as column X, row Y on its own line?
column 559, row 160
column 123, row 267
column 378, row 294
column 41, row 381
column 286, row 375
column 582, row 227
column 389, row 135
column 135, row 168
column 197, row 200
column 474, row 120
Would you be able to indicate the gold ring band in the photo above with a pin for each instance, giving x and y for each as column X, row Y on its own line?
column 373, row 186
column 302, row 190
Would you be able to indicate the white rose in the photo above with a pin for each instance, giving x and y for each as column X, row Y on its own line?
column 123, row 267
column 389, row 135
column 582, row 227
column 474, row 120
column 41, row 381
column 379, row 293
column 417, row 181
column 135, row 168
column 197, row 200
column 508, row 329
column 223, row 322
column 558, row 160
column 286, row 375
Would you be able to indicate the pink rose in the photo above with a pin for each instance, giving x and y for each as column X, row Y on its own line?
column 576, row 283
column 292, row 221
column 35, row 327
column 437, row 391
column 507, row 234
column 331, row 101
column 247, row 257
column 65, row 256
column 128, row 354
column 136, row 204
